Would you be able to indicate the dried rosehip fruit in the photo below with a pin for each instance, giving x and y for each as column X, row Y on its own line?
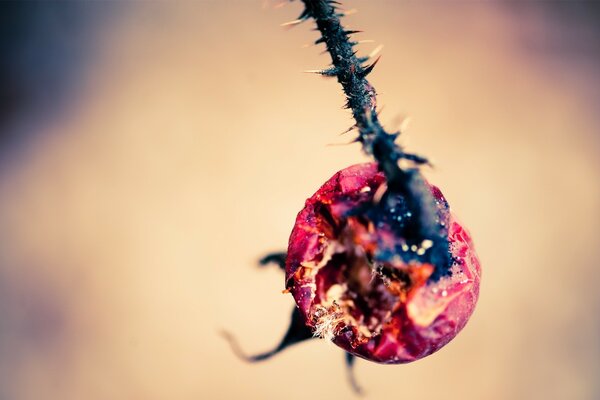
column 359, row 280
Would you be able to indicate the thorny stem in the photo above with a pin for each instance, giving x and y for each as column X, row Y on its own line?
column 351, row 72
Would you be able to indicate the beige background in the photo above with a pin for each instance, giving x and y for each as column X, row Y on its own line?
column 130, row 225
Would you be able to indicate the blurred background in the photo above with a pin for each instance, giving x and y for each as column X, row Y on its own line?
column 151, row 152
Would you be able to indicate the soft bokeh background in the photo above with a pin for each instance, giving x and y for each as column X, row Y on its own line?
column 152, row 151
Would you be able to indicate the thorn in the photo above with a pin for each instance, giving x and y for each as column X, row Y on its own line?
column 292, row 23
column 368, row 69
column 351, row 11
column 349, row 129
column 329, row 72
column 375, row 51
column 351, row 32
column 405, row 124
column 355, row 140
column 406, row 141
column 320, row 40
column 415, row 158
column 365, row 41
column 401, row 122
column 341, row 144
column 305, row 14
column 394, row 136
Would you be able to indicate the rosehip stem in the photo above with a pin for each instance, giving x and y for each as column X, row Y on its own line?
column 351, row 71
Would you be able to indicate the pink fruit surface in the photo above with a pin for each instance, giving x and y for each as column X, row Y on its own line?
column 383, row 309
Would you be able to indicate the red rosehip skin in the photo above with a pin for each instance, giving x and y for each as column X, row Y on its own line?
column 338, row 285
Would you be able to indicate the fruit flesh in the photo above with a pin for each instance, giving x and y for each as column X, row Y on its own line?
column 354, row 287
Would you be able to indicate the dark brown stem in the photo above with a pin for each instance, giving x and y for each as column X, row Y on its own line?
column 351, row 71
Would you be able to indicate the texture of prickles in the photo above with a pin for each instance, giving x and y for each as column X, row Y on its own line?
column 369, row 290
column 351, row 72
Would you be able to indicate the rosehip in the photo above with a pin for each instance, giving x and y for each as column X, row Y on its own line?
column 375, row 293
